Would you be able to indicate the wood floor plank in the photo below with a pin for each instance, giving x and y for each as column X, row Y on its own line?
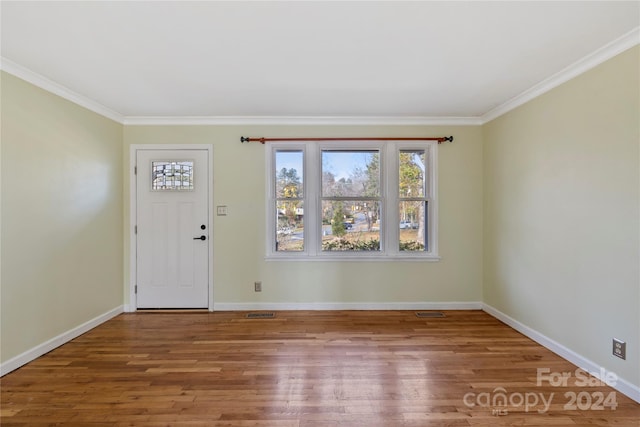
column 301, row 369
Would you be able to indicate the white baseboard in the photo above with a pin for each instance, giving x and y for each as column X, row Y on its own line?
column 32, row 354
column 625, row 387
column 245, row 306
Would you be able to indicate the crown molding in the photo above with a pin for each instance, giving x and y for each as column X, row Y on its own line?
column 583, row 65
column 302, row 121
column 57, row 89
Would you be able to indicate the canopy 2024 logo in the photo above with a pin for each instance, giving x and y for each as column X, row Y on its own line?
column 500, row 401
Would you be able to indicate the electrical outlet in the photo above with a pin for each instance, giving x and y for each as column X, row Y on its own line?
column 620, row 349
column 257, row 286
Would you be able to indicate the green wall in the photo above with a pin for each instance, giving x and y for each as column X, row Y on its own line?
column 61, row 216
column 561, row 214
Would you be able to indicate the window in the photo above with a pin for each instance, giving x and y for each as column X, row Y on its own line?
column 289, row 187
column 346, row 200
column 351, row 199
column 413, row 203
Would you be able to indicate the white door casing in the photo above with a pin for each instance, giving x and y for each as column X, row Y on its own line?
column 172, row 260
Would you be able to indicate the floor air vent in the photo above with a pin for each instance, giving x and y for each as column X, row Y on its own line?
column 266, row 315
column 430, row 314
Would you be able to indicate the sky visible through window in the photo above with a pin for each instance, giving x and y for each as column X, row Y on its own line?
column 340, row 163
column 290, row 160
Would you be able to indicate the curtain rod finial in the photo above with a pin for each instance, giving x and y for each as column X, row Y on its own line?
column 446, row 139
column 248, row 139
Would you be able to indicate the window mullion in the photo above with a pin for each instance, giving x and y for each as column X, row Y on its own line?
column 392, row 218
column 314, row 224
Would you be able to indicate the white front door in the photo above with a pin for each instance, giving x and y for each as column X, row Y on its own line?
column 172, row 248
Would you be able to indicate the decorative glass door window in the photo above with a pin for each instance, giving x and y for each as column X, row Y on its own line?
column 172, row 175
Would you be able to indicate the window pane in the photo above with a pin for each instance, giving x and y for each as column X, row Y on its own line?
column 290, row 226
column 412, row 173
column 289, row 174
column 350, row 173
column 413, row 230
column 171, row 175
column 350, row 225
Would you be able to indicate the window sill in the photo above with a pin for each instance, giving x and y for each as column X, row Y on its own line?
column 353, row 258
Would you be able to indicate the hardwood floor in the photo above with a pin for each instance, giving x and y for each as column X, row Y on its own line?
column 302, row 369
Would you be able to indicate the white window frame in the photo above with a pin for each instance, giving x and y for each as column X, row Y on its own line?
column 390, row 218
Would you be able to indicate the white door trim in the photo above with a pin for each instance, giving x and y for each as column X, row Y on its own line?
column 133, row 262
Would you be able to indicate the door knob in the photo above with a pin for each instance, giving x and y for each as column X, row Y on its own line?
column 203, row 237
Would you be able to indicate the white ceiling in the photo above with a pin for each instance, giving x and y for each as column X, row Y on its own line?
column 306, row 59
